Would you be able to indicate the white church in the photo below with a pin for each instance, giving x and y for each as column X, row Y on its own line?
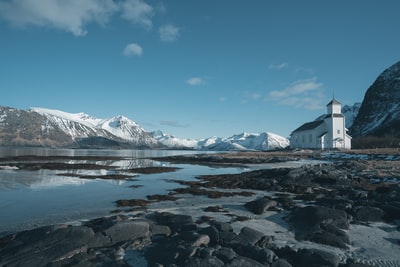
column 326, row 133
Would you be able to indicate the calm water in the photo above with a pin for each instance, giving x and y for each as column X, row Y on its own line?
column 33, row 198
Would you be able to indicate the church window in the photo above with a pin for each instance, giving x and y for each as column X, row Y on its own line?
column 338, row 131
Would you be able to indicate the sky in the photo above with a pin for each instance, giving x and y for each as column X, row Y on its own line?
column 195, row 69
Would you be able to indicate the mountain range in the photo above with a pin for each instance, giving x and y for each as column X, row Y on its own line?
column 55, row 128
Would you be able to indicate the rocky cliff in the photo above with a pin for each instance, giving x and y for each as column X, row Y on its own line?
column 379, row 113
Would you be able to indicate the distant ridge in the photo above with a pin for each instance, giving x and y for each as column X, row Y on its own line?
column 55, row 128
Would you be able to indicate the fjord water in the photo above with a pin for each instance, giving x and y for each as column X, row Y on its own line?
column 30, row 199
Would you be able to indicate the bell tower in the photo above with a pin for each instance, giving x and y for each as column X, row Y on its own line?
column 335, row 124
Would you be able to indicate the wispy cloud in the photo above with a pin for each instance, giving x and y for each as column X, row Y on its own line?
column 73, row 15
column 195, row 81
column 169, row 33
column 133, row 49
column 222, row 99
column 173, row 124
column 279, row 66
column 302, row 94
column 138, row 12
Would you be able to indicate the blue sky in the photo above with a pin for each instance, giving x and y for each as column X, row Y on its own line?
column 195, row 68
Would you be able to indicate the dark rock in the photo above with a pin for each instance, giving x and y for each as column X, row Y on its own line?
column 226, row 237
column 281, row 263
column 392, row 211
column 176, row 222
column 262, row 255
column 44, row 245
column 225, row 254
column 222, row 227
column 129, row 230
column 247, row 236
column 244, row 262
column 316, row 258
column 211, row 261
column 260, row 205
column 368, row 214
column 159, row 229
column 213, row 234
column 321, row 224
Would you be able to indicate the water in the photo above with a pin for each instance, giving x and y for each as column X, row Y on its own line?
column 30, row 199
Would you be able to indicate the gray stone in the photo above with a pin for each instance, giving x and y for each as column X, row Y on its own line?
column 247, row 236
column 316, row 258
column 44, row 245
column 160, row 229
column 321, row 224
column 260, row 205
column 222, row 227
column 368, row 214
column 128, row 230
column 225, row 254
column 281, row 263
column 210, row 261
column 244, row 262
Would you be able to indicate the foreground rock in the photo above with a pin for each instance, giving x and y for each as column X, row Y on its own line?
column 163, row 239
column 321, row 225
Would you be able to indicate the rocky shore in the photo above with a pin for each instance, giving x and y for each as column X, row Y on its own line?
column 342, row 212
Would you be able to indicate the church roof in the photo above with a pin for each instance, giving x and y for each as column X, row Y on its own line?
column 309, row 126
column 333, row 101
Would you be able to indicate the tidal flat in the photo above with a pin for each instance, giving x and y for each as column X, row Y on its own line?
column 283, row 208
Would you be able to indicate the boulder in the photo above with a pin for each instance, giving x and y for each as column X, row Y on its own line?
column 204, row 262
column 45, row 245
column 321, row 224
column 247, row 236
column 260, row 205
column 316, row 258
column 128, row 230
column 367, row 214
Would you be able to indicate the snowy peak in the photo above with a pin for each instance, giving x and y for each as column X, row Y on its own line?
column 243, row 141
column 82, row 125
column 81, row 117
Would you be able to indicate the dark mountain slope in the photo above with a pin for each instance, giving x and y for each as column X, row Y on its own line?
column 379, row 113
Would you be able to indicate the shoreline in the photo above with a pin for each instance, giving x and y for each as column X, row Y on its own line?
column 369, row 232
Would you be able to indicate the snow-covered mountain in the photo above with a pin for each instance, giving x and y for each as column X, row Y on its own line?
column 80, row 126
column 350, row 113
column 245, row 141
column 55, row 128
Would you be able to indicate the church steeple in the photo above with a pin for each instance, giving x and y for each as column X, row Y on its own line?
column 334, row 107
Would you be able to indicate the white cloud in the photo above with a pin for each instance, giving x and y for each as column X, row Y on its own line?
column 279, row 66
column 70, row 16
column 73, row 15
column 303, row 93
column 138, row 12
column 169, row 33
column 195, row 81
column 133, row 50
